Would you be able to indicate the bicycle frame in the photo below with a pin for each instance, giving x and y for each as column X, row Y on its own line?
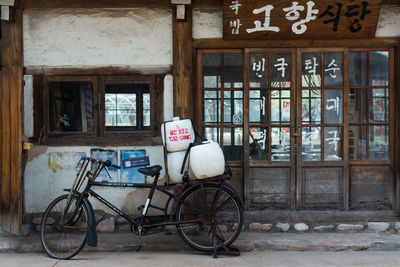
column 91, row 168
column 153, row 187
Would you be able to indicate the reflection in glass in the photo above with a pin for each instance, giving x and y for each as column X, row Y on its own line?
column 333, row 144
column 211, row 134
column 70, row 107
column 227, row 136
column 120, row 110
column 280, row 144
column 379, row 68
column 333, row 69
column 379, row 142
column 311, row 106
column 280, row 106
column 257, row 143
column 357, row 143
column 256, row 106
column 146, row 110
column 211, row 106
column 258, row 70
column 311, row 70
column 233, row 144
column 311, row 144
column 281, row 71
column 233, row 107
column 378, row 105
column 357, row 105
column 233, row 70
column 211, row 70
column 357, row 68
column 333, row 106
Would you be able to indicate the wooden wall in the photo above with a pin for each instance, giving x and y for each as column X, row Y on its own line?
column 11, row 123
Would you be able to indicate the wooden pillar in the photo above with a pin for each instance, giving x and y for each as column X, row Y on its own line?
column 11, row 87
column 183, row 64
column 397, row 128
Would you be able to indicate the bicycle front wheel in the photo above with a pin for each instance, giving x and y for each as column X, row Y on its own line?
column 62, row 231
column 211, row 216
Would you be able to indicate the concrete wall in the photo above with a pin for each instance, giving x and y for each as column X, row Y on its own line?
column 136, row 39
column 207, row 23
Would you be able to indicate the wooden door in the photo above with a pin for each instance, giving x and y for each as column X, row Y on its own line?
column 323, row 137
column 306, row 128
column 320, row 128
column 270, row 127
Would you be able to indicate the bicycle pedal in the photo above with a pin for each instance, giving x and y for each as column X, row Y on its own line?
column 139, row 247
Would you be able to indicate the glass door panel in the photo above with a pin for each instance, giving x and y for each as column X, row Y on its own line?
column 270, row 101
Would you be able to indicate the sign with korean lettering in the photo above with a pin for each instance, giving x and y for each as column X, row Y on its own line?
column 277, row 19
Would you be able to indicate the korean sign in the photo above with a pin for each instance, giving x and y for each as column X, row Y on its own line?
column 273, row 19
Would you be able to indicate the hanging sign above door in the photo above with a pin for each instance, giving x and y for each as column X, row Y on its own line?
column 283, row 19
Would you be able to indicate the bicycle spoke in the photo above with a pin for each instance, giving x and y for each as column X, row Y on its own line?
column 224, row 212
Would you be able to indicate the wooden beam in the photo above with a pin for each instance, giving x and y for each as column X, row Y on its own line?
column 367, row 43
column 182, row 65
column 132, row 3
column 44, row 4
column 390, row 3
column 11, row 125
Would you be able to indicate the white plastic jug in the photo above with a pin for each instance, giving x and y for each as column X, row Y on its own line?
column 179, row 134
column 207, row 160
column 175, row 160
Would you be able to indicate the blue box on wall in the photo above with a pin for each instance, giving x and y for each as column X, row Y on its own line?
column 131, row 161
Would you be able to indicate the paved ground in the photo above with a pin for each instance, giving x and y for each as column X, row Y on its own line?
column 248, row 241
column 188, row 259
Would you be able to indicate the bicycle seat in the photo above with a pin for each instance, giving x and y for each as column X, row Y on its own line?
column 150, row 171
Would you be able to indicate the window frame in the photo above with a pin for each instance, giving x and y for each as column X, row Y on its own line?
column 99, row 136
column 138, row 131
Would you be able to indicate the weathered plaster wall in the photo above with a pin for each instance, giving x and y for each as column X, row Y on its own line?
column 46, row 177
column 389, row 22
column 207, row 23
column 93, row 38
column 137, row 39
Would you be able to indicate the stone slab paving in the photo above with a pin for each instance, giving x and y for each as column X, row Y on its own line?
column 248, row 241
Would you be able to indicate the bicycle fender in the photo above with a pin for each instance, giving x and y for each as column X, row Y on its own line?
column 91, row 234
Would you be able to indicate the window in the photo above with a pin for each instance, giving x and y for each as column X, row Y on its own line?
column 223, row 123
column 369, row 105
column 127, row 105
column 338, row 101
column 98, row 109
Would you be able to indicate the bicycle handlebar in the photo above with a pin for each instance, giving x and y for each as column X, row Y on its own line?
column 107, row 162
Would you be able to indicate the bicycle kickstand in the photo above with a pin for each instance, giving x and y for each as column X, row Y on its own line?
column 140, row 239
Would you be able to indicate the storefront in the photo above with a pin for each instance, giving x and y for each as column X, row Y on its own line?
column 308, row 121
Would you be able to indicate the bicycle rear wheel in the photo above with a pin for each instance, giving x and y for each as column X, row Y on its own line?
column 216, row 214
column 63, row 237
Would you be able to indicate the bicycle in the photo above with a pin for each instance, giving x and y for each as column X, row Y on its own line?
column 207, row 213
